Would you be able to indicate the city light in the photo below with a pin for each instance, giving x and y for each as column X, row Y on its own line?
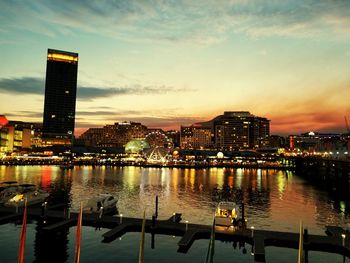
column 62, row 57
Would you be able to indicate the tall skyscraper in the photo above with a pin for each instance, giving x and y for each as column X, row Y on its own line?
column 60, row 96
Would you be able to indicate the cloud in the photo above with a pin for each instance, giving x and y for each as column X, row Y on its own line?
column 35, row 86
column 27, row 114
column 201, row 22
column 26, row 85
column 108, row 113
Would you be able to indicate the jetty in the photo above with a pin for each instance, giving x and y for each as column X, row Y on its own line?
column 335, row 240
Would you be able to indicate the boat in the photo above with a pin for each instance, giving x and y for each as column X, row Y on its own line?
column 7, row 189
column 10, row 189
column 33, row 197
column 105, row 202
column 226, row 214
column 7, row 184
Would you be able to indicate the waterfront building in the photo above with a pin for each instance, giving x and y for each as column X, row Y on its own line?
column 276, row 141
column 236, row 130
column 174, row 136
column 195, row 137
column 16, row 136
column 60, row 96
column 116, row 135
column 319, row 142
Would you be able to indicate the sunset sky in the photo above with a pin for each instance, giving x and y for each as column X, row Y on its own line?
column 167, row 63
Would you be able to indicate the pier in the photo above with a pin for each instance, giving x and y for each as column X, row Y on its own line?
column 55, row 220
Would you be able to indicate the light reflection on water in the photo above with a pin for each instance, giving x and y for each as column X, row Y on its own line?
column 273, row 199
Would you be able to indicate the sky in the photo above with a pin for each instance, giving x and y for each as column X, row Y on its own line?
column 171, row 63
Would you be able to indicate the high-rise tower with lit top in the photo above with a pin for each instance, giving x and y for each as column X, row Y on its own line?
column 60, row 96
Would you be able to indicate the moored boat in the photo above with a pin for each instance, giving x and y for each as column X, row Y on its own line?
column 226, row 214
column 105, row 203
column 33, row 197
column 10, row 189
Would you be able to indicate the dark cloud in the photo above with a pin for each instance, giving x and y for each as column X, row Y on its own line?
column 26, row 85
column 35, row 86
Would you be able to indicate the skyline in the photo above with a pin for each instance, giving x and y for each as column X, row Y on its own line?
column 165, row 64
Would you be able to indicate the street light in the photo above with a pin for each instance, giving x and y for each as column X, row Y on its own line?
column 343, row 236
column 120, row 218
column 252, row 228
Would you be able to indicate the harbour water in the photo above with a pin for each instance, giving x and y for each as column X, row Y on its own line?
column 273, row 199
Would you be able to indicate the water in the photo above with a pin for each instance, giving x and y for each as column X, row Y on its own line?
column 273, row 200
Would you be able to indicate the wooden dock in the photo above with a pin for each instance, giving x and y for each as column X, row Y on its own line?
column 333, row 242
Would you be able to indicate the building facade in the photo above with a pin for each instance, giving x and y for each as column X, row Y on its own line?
column 16, row 136
column 174, row 136
column 236, row 130
column 319, row 142
column 60, row 96
column 116, row 135
column 195, row 137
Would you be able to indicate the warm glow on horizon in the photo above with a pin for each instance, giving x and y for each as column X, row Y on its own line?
column 174, row 64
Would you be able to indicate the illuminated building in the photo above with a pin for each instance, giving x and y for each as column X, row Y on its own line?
column 60, row 96
column 319, row 142
column 15, row 136
column 136, row 146
column 195, row 137
column 239, row 130
column 174, row 136
column 116, row 135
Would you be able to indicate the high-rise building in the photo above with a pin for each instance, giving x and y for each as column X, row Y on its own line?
column 195, row 137
column 60, row 96
column 239, row 130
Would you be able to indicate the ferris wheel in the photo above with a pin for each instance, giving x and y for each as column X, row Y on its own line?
column 158, row 139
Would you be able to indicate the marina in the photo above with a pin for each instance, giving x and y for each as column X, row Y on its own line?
column 335, row 242
column 189, row 194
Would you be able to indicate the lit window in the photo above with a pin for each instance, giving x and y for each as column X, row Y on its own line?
column 67, row 92
column 53, row 116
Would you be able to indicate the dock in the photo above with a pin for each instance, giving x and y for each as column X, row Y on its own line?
column 336, row 240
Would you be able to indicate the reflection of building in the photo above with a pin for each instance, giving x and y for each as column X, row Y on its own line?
column 116, row 135
column 238, row 130
column 60, row 96
column 196, row 137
